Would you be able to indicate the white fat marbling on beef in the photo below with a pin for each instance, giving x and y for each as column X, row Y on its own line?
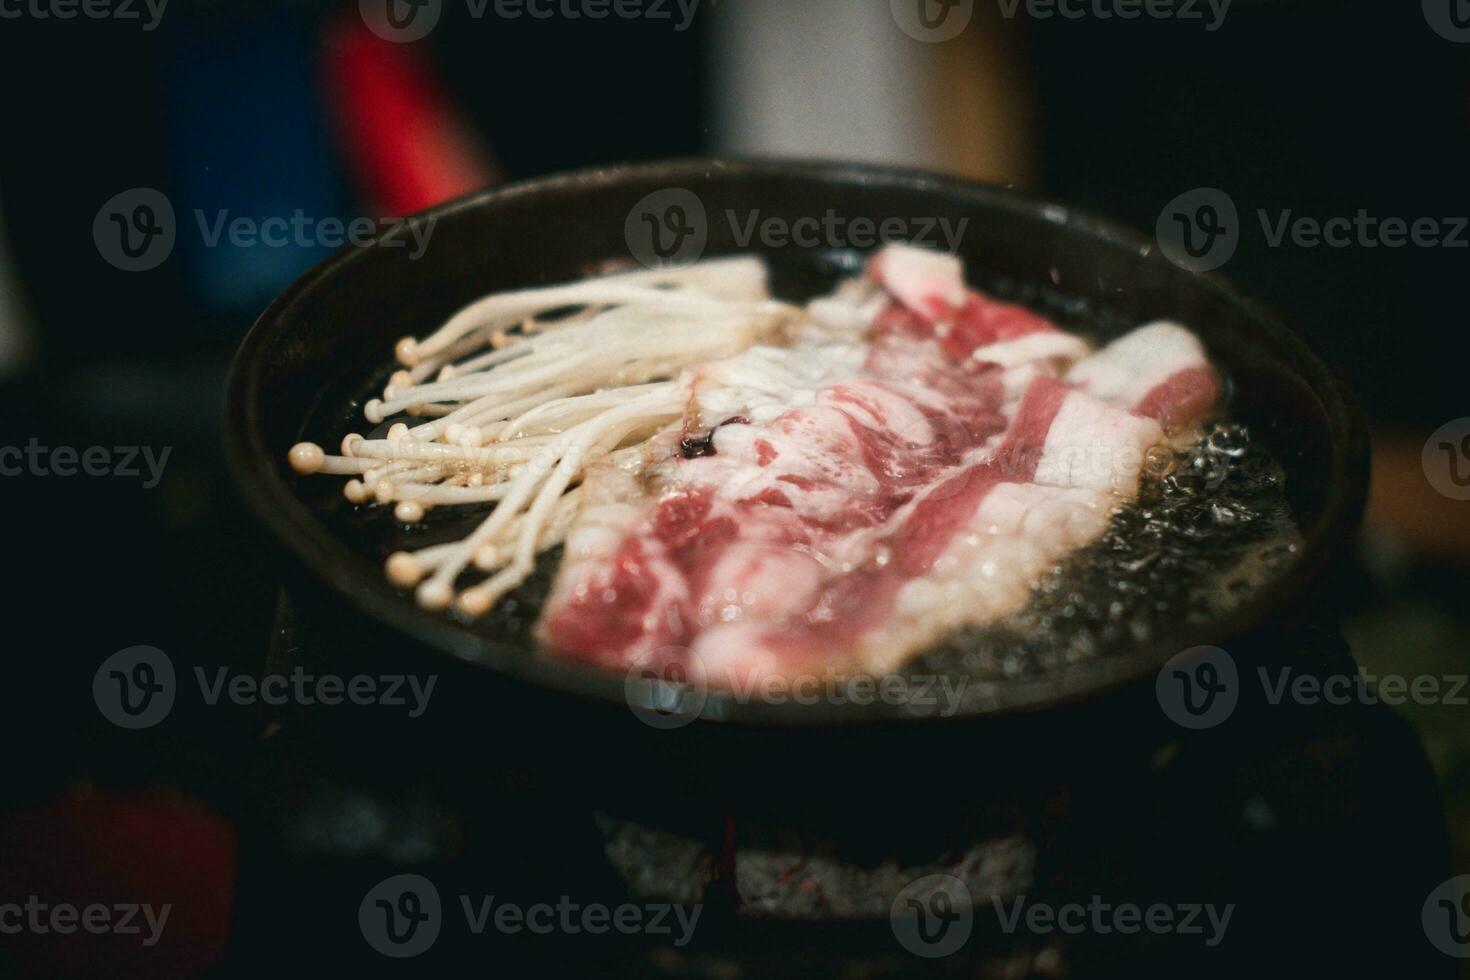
column 932, row 284
column 1092, row 445
column 1040, row 346
column 1129, row 367
column 764, row 382
column 1159, row 370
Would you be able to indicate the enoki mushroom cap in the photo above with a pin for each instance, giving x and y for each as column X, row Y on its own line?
column 434, row 594
column 306, row 458
column 474, row 603
column 404, row 570
column 407, row 352
column 487, row 558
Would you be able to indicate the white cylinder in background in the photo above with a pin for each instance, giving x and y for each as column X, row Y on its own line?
column 818, row 78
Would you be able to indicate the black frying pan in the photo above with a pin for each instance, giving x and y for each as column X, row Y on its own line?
column 324, row 345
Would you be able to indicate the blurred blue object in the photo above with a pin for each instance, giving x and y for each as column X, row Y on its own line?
column 249, row 142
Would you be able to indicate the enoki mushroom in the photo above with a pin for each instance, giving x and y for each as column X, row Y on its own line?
column 510, row 401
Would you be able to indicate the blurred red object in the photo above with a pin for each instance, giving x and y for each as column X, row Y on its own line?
column 406, row 145
column 69, row 863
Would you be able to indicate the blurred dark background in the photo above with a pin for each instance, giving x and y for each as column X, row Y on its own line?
column 261, row 108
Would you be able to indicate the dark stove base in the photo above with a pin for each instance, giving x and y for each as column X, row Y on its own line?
column 1321, row 832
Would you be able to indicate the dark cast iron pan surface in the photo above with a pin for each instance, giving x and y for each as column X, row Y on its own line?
column 325, row 345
